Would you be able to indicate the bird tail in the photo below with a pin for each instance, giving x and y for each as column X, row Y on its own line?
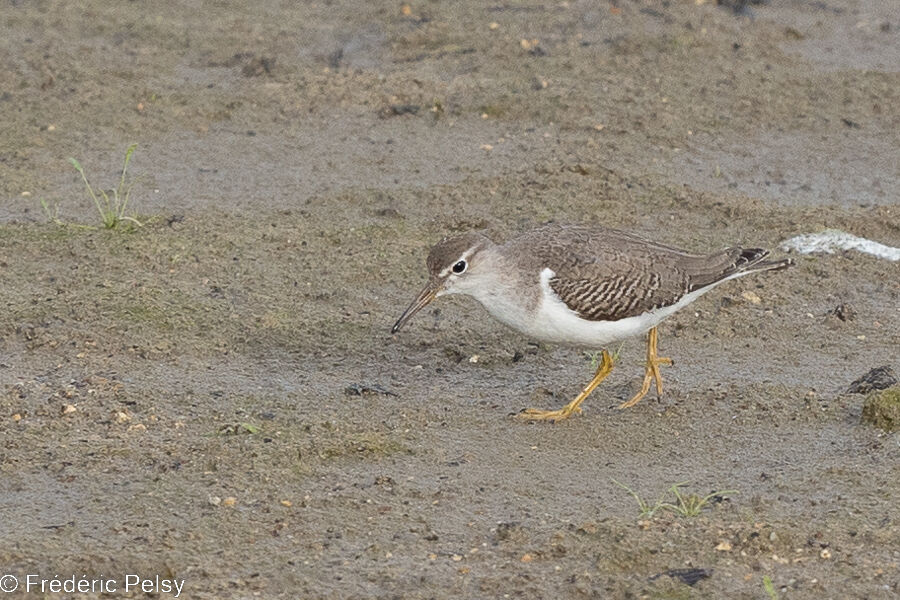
column 751, row 259
column 733, row 262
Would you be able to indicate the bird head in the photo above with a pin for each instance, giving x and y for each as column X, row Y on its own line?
column 451, row 263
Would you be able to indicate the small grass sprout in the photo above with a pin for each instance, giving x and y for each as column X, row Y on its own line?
column 647, row 510
column 690, row 505
column 238, row 428
column 595, row 356
column 113, row 204
column 52, row 215
column 685, row 505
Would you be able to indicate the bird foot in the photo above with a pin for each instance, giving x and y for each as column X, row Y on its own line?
column 535, row 414
column 651, row 374
column 573, row 407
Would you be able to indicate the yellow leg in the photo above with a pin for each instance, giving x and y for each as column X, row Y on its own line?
column 651, row 372
column 533, row 414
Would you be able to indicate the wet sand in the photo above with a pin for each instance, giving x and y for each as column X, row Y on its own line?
column 216, row 396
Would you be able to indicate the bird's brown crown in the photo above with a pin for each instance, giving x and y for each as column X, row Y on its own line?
column 451, row 250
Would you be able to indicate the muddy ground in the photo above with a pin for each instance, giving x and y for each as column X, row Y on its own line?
column 216, row 396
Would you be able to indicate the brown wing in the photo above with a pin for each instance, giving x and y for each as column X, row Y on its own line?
column 607, row 275
column 615, row 297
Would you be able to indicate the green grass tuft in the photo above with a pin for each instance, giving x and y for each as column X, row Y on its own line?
column 111, row 205
column 595, row 356
column 647, row 509
column 685, row 505
column 238, row 428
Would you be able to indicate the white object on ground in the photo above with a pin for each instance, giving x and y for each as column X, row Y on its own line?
column 835, row 239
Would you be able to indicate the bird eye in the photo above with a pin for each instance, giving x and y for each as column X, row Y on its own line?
column 460, row 267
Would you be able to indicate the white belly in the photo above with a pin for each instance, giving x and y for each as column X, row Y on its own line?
column 555, row 322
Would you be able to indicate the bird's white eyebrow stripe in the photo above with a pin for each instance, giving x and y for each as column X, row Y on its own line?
column 465, row 257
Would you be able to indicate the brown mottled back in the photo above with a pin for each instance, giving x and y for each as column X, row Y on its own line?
column 606, row 275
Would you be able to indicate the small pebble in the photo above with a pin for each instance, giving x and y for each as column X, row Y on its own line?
column 724, row 547
column 826, row 553
column 494, row 26
column 214, row 500
column 287, row 503
column 229, row 501
column 527, row 558
column 751, row 297
column 68, row 409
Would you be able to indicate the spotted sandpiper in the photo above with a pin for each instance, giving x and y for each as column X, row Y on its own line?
column 583, row 286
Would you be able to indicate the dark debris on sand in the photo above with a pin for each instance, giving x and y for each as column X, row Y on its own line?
column 879, row 378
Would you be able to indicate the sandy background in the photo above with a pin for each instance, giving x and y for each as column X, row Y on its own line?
column 240, row 415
